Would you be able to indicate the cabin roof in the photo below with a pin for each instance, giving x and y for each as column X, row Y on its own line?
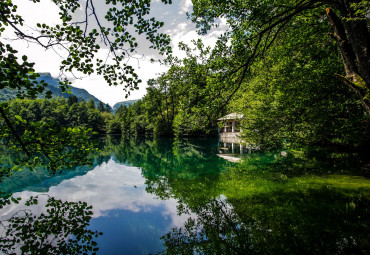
column 232, row 116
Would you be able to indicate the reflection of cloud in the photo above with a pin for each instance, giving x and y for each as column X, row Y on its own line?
column 171, row 210
column 110, row 186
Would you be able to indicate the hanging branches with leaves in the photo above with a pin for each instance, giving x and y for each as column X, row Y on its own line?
column 255, row 26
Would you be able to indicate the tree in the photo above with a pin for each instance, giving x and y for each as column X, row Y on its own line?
column 193, row 86
column 114, row 127
column 80, row 42
column 90, row 104
column 108, row 108
column 101, row 107
column 291, row 96
column 256, row 26
column 160, row 105
column 72, row 99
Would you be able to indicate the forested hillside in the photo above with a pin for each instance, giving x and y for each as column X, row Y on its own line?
column 53, row 87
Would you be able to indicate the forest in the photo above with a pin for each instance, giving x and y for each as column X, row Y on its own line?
column 62, row 112
column 297, row 70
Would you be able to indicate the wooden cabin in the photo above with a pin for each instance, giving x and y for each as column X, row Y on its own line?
column 229, row 128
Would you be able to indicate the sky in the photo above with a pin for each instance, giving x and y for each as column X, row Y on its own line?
column 176, row 25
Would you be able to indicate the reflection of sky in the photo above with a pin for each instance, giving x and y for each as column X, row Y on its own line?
column 131, row 219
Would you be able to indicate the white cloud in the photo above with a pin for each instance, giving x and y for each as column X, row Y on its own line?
column 97, row 86
column 176, row 25
column 186, row 32
column 185, row 6
column 44, row 12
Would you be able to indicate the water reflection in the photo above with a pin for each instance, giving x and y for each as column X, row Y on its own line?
column 235, row 149
column 120, row 206
column 318, row 222
column 117, row 188
column 42, row 224
column 305, row 202
column 60, row 228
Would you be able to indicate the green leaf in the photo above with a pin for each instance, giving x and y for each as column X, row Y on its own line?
column 15, row 200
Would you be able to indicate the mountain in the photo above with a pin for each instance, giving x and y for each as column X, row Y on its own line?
column 54, row 87
column 124, row 103
column 7, row 94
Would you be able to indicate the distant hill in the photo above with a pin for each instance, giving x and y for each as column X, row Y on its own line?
column 54, row 87
column 7, row 94
column 124, row 103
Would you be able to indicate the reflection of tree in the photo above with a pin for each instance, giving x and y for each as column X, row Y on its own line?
column 62, row 229
column 163, row 155
column 318, row 221
column 179, row 169
column 273, row 205
column 216, row 230
column 18, row 180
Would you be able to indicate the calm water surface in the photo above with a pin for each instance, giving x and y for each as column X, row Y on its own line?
column 179, row 197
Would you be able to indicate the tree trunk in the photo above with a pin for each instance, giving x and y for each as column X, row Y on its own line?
column 358, row 34
column 346, row 51
column 360, row 40
column 353, row 40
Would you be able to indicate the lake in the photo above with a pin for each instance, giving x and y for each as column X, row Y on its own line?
column 168, row 196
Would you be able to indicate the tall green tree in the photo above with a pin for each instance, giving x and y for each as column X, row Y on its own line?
column 292, row 97
column 160, row 105
column 197, row 88
column 101, row 107
column 90, row 104
column 256, row 25
column 108, row 108
column 72, row 99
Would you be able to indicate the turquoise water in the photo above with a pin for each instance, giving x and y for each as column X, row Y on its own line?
column 179, row 197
